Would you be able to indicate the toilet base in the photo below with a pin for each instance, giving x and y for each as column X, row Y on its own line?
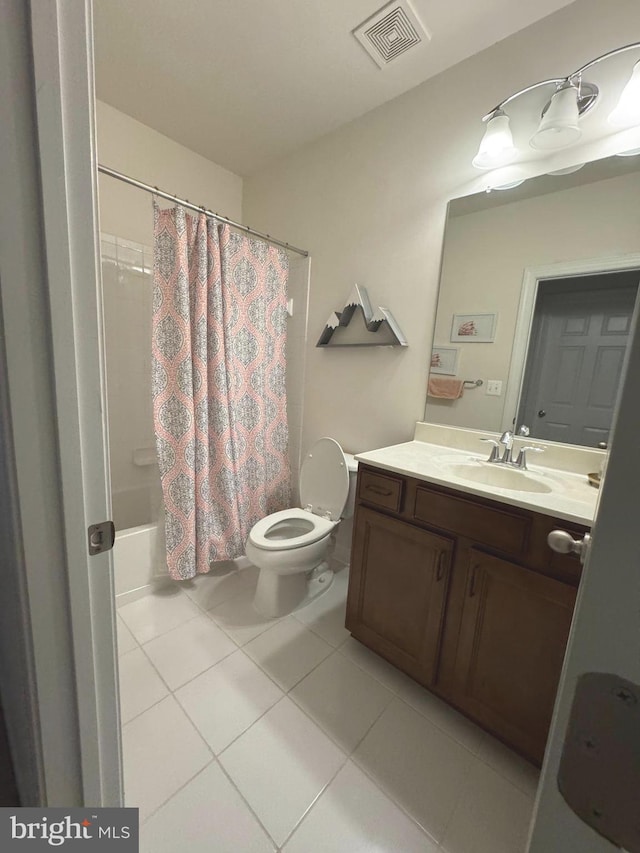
column 278, row 595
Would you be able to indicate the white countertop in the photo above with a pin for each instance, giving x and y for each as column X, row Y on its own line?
column 570, row 496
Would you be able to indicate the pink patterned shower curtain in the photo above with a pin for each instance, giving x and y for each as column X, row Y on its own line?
column 219, row 393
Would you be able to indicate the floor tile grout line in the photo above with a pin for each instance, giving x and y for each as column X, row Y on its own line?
column 316, row 800
column 273, row 623
column 466, row 786
column 246, row 802
column 393, row 800
column 397, row 695
column 175, row 793
column 244, row 731
column 322, row 728
column 289, row 689
column 472, row 755
column 164, row 633
column 211, row 753
column 181, row 625
column 127, row 628
column 207, row 611
column 504, row 777
column 193, row 678
column 309, row 626
column 436, row 726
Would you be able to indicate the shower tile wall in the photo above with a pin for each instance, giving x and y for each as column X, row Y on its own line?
column 127, row 287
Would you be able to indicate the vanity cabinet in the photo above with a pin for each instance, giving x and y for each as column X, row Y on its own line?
column 399, row 579
column 464, row 595
column 513, row 633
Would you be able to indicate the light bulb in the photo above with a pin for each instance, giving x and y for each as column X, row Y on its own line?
column 627, row 111
column 496, row 148
column 559, row 125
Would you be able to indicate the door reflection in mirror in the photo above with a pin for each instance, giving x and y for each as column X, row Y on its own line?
column 576, row 354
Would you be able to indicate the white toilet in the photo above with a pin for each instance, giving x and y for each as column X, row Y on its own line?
column 291, row 547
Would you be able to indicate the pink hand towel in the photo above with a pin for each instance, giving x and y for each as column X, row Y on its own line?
column 445, row 389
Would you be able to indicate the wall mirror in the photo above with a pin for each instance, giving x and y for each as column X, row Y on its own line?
column 537, row 291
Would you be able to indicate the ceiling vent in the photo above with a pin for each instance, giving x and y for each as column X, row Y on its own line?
column 391, row 32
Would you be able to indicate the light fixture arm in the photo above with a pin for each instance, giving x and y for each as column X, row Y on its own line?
column 633, row 45
column 553, row 80
column 558, row 81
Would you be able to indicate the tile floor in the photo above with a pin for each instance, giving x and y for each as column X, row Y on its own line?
column 244, row 735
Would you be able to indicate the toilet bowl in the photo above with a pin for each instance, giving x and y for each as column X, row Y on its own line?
column 291, row 547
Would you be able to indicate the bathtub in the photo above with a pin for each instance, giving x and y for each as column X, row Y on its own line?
column 139, row 561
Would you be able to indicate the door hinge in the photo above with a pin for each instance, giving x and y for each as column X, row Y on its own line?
column 101, row 537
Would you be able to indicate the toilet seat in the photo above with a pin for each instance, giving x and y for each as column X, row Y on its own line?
column 314, row 527
column 324, row 479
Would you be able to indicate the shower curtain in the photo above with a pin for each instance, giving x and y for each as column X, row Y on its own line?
column 219, row 393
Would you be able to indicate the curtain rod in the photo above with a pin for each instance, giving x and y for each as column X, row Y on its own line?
column 184, row 203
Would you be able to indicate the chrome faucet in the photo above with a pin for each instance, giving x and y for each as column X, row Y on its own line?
column 506, row 440
column 521, row 461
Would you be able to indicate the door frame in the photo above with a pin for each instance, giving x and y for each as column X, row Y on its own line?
column 524, row 324
column 54, row 423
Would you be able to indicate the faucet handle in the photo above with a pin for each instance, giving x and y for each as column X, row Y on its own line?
column 521, row 461
column 523, row 430
column 494, row 455
column 507, row 439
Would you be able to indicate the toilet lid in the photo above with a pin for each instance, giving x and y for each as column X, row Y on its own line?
column 324, row 479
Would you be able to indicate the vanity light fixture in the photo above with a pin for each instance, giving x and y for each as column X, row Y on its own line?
column 496, row 148
column 627, row 110
column 559, row 124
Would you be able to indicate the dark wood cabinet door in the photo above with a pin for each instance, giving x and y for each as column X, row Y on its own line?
column 514, row 631
column 397, row 591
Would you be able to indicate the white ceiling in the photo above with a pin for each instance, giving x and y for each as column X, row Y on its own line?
column 243, row 82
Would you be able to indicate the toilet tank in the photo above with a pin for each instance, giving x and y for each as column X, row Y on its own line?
column 352, row 464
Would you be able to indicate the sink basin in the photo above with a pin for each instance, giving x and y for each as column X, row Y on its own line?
column 501, row 477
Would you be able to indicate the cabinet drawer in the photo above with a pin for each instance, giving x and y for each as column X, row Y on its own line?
column 380, row 490
column 496, row 528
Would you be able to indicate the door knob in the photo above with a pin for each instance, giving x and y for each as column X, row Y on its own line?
column 542, row 413
column 564, row 543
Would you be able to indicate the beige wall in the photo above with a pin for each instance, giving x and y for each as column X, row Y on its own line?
column 139, row 151
column 369, row 202
column 485, row 256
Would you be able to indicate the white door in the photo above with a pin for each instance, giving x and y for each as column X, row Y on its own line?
column 605, row 635
column 62, row 44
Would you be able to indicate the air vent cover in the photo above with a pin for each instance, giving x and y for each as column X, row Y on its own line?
column 391, row 32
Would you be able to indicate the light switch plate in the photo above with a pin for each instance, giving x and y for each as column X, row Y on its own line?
column 599, row 774
column 494, row 387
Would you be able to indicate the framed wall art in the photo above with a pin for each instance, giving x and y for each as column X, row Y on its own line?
column 474, row 328
column 445, row 360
